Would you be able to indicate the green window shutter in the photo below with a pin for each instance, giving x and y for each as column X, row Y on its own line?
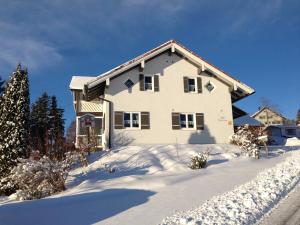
column 142, row 85
column 199, row 121
column 185, row 84
column 199, row 84
column 119, row 120
column 175, row 121
column 156, row 83
column 145, row 120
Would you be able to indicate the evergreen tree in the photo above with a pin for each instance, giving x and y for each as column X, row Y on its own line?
column 56, row 129
column 47, row 127
column 39, row 124
column 14, row 121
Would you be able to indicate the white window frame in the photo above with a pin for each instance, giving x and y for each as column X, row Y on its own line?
column 131, row 127
column 196, row 85
column 84, row 135
column 152, row 80
column 186, row 121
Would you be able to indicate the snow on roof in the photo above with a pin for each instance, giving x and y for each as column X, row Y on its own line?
column 243, row 120
column 78, row 82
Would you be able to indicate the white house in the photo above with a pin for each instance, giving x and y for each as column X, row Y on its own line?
column 167, row 95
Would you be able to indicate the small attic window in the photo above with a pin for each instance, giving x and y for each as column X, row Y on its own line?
column 209, row 86
column 129, row 83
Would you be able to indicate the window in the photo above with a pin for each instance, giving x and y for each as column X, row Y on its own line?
column 89, row 127
column 127, row 119
column 291, row 132
column 190, row 121
column 148, row 83
column 191, row 85
column 129, row 83
column 187, row 120
column 131, row 120
column 182, row 120
column 98, row 126
column 209, row 86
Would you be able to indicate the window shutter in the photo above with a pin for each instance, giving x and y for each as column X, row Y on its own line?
column 185, row 84
column 142, row 85
column 156, row 83
column 199, row 84
column 145, row 120
column 119, row 120
column 199, row 121
column 175, row 121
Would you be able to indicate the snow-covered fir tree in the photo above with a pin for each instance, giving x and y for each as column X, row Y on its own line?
column 14, row 121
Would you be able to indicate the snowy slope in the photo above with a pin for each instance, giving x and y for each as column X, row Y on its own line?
column 150, row 183
column 247, row 203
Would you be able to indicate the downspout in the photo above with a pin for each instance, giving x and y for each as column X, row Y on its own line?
column 109, row 119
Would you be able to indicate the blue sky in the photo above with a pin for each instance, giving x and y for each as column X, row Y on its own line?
column 257, row 42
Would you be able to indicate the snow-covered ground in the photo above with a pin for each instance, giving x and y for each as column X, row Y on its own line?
column 149, row 183
column 247, row 203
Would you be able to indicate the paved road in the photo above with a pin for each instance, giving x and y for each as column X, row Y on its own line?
column 287, row 211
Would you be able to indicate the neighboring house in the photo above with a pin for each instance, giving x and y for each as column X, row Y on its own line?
column 278, row 133
column 269, row 117
column 167, row 95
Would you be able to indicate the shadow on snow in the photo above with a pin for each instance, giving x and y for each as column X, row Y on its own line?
column 81, row 209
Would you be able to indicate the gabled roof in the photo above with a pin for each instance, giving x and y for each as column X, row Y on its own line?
column 246, row 119
column 240, row 89
column 264, row 108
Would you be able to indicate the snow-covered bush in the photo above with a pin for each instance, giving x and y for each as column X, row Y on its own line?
column 39, row 178
column 199, row 161
column 247, row 140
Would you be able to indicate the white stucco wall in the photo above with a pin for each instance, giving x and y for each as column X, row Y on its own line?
column 215, row 105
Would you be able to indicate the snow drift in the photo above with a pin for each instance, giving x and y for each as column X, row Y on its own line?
column 247, row 203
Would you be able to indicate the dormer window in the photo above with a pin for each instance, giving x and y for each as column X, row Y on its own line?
column 148, row 83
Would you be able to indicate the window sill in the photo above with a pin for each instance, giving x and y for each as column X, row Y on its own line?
column 132, row 128
column 188, row 129
column 194, row 92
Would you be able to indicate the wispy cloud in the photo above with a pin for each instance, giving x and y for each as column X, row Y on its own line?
column 31, row 53
column 38, row 32
column 16, row 46
column 35, row 33
column 251, row 16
